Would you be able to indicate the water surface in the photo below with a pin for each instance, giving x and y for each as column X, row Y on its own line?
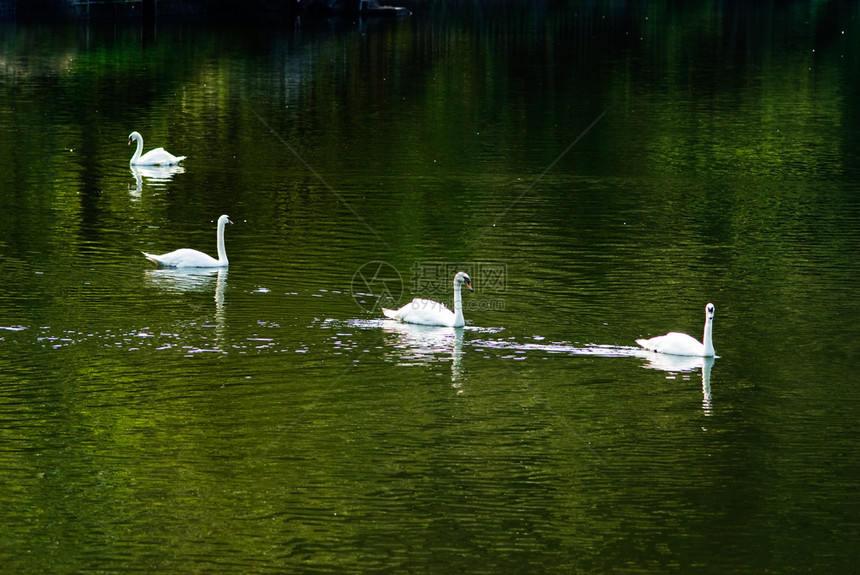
column 601, row 172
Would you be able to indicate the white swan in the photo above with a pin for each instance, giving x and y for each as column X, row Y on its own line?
column 429, row 312
column 675, row 343
column 188, row 258
column 158, row 156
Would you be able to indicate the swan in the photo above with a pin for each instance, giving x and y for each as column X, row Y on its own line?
column 675, row 343
column 188, row 258
column 158, row 156
column 429, row 312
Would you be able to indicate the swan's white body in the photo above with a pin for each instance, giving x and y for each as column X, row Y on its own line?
column 188, row 258
column 429, row 312
column 156, row 157
column 675, row 343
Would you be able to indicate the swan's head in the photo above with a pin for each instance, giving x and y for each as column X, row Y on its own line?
column 134, row 136
column 463, row 278
column 709, row 311
column 223, row 220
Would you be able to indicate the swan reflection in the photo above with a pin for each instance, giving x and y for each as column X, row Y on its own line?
column 706, row 384
column 155, row 175
column 421, row 344
column 680, row 364
column 195, row 280
column 187, row 279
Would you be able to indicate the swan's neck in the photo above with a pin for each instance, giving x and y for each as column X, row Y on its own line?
column 458, row 306
column 139, row 149
column 222, row 252
column 708, row 338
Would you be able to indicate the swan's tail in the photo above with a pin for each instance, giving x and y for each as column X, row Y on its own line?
column 151, row 257
column 392, row 313
column 180, row 158
column 646, row 343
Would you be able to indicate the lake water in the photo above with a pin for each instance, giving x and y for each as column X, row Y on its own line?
column 602, row 172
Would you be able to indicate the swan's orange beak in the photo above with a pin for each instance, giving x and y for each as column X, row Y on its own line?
column 468, row 284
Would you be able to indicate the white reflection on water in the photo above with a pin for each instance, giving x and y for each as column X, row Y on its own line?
column 157, row 176
column 199, row 280
column 189, row 279
column 681, row 364
column 414, row 344
column 521, row 348
column 669, row 363
column 706, row 385
column 419, row 344
column 411, row 344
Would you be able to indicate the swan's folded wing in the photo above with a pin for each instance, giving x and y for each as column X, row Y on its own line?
column 158, row 156
column 674, row 343
column 425, row 312
column 184, row 258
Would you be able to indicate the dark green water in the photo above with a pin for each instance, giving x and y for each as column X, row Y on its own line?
column 603, row 172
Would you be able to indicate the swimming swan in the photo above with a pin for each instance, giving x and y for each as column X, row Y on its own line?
column 187, row 258
column 675, row 343
column 429, row 312
column 158, row 156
